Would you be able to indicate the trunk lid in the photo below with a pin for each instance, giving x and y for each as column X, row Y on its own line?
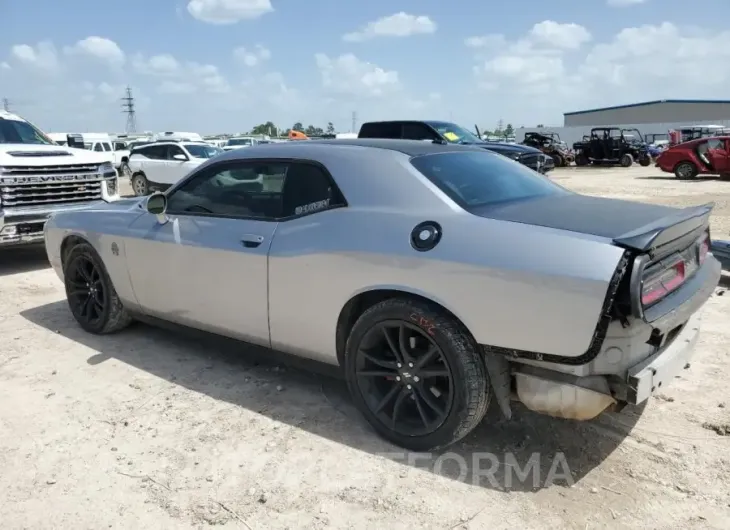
column 631, row 225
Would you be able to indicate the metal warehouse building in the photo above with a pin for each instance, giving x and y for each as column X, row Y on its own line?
column 659, row 112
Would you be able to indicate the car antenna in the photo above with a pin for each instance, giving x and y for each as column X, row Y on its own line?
column 479, row 135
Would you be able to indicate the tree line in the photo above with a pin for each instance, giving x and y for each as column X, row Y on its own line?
column 269, row 128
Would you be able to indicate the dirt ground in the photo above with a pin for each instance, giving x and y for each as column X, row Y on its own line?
column 150, row 429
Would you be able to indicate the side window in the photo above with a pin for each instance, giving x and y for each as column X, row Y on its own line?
column 173, row 150
column 716, row 143
column 417, row 131
column 106, row 146
column 155, row 152
column 98, row 147
column 119, row 146
column 380, row 130
column 248, row 189
column 308, row 189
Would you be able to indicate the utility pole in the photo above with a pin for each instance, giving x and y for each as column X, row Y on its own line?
column 354, row 121
column 130, row 111
column 6, row 104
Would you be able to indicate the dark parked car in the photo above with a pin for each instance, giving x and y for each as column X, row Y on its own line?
column 447, row 132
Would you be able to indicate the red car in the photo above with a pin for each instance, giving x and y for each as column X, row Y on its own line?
column 704, row 156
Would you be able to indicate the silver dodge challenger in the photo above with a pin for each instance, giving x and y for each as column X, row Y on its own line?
column 440, row 278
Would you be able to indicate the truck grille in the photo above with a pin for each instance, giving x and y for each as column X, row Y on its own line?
column 23, row 186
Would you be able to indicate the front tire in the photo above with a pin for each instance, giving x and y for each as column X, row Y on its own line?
column 685, row 171
column 645, row 161
column 93, row 301
column 416, row 374
column 140, row 185
column 558, row 160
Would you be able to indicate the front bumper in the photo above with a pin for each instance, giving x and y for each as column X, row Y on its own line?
column 24, row 226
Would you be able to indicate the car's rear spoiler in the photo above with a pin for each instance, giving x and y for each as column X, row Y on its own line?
column 666, row 229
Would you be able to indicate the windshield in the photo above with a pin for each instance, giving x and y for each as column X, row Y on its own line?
column 481, row 178
column 454, row 133
column 203, row 151
column 21, row 132
column 239, row 141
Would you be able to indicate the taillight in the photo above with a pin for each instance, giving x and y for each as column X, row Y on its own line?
column 704, row 249
column 657, row 286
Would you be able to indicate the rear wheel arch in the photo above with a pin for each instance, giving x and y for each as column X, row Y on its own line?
column 363, row 301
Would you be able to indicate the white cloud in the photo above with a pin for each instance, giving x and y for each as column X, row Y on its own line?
column 98, row 47
column 399, row 25
column 4, row 66
column 562, row 36
column 176, row 87
column 252, row 57
column 228, row 11
column 348, row 75
column 163, row 65
column 625, row 3
column 42, row 56
column 552, row 61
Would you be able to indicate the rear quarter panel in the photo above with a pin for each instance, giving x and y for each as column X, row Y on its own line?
column 106, row 230
column 512, row 285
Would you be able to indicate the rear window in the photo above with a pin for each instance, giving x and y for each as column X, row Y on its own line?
column 480, row 178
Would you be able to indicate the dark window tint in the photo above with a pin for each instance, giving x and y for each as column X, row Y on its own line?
column 155, row 152
column 380, row 130
column 482, row 178
column 21, row 132
column 417, row 131
column 173, row 150
column 260, row 190
column 98, row 148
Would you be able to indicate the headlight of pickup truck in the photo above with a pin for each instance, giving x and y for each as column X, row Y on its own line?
column 107, row 170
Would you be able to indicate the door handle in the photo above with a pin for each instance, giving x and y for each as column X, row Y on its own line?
column 251, row 240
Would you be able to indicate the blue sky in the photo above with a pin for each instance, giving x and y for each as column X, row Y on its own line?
column 241, row 62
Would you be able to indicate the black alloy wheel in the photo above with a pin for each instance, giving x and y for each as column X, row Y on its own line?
column 93, row 301
column 416, row 374
column 86, row 291
column 404, row 378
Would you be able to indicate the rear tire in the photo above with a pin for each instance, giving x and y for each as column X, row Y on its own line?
column 581, row 160
column 685, row 171
column 627, row 160
column 430, row 403
column 91, row 296
column 140, row 185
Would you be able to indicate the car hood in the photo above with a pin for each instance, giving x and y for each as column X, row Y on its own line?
column 609, row 218
column 47, row 155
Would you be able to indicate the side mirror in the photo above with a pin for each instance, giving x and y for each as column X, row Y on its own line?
column 182, row 158
column 157, row 205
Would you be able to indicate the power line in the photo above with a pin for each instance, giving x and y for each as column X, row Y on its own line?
column 130, row 111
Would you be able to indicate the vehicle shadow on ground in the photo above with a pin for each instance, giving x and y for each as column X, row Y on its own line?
column 528, row 453
column 23, row 259
column 672, row 177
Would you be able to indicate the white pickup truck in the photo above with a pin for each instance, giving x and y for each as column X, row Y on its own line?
column 38, row 177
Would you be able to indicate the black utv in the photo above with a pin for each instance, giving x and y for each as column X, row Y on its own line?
column 443, row 131
column 611, row 146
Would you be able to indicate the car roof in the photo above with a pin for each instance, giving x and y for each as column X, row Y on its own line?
column 408, row 147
